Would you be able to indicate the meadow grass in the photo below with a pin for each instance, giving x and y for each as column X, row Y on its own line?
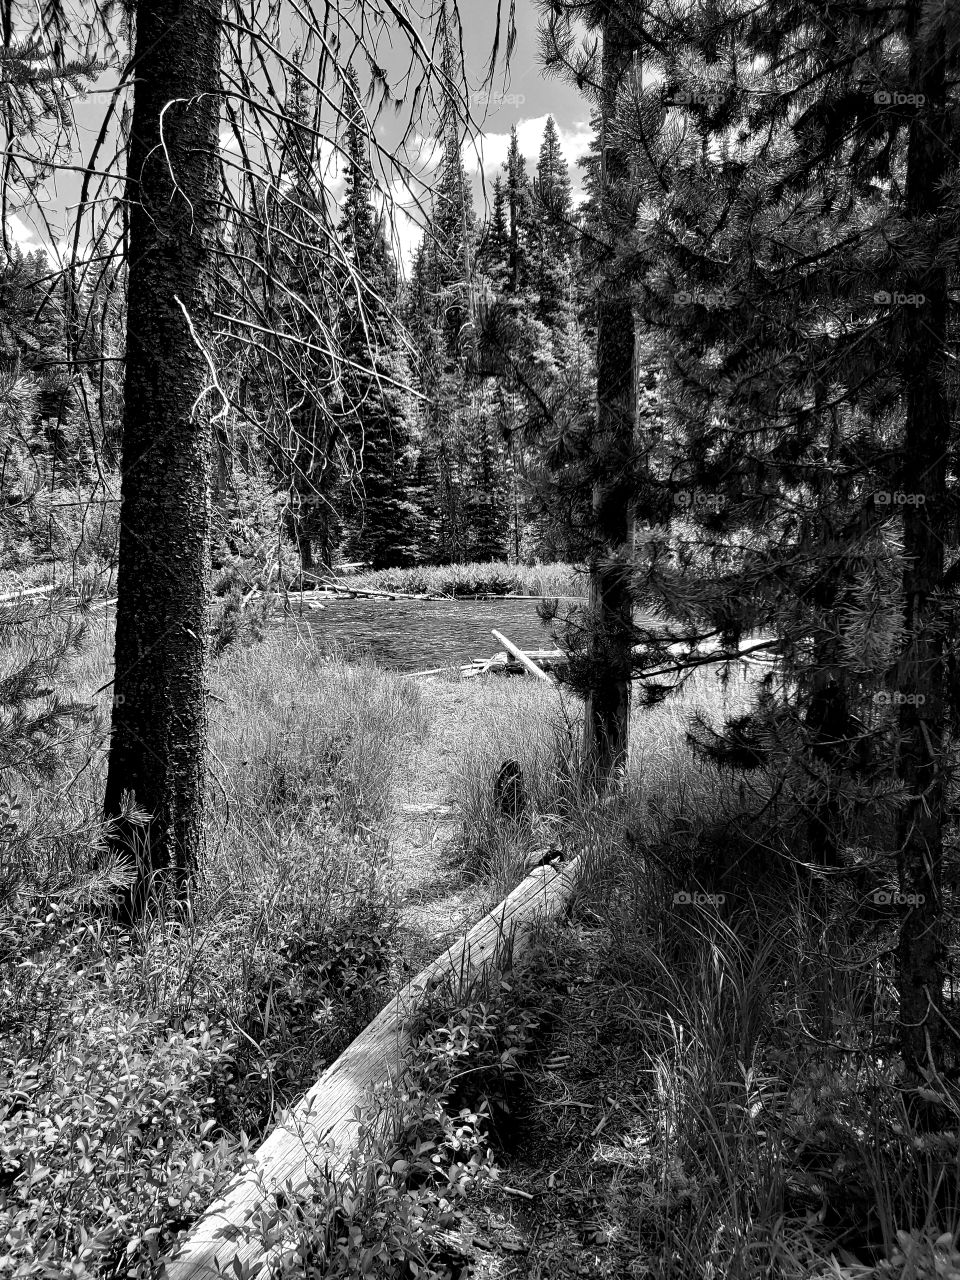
column 175, row 1044
column 739, row 1045
column 739, row 1048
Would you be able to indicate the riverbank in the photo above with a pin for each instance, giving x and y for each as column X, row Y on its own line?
column 483, row 578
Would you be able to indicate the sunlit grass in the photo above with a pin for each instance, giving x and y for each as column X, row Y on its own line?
column 494, row 578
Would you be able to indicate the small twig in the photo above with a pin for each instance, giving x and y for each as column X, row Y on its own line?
column 513, row 1191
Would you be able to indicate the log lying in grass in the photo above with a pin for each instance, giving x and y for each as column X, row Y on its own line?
column 339, row 589
column 545, row 659
column 327, row 1111
column 521, row 657
column 502, row 665
column 27, row 592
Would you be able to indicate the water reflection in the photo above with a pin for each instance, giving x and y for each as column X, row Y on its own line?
column 413, row 635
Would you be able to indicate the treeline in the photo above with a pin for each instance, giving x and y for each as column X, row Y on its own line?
column 379, row 419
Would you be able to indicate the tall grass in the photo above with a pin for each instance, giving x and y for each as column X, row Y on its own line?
column 747, row 1038
column 133, row 1064
column 489, row 578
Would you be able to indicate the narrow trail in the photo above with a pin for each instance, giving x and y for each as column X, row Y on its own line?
column 437, row 904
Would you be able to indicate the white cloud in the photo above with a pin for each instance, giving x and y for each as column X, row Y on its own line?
column 22, row 234
column 492, row 148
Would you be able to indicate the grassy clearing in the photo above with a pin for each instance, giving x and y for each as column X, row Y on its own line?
column 690, row 1079
column 493, row 578
column 134, row 1069
column 710, row 1091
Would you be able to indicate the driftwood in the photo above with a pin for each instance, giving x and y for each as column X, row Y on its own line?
column 27, row 592
column 433, row 671
column 286, row 1159
column 521, row 657
column 341, row 590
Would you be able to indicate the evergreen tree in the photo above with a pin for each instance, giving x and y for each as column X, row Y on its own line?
column 605, row 453
column 375, row 404
column 441, row 319
column 800, row 354
column 158, row 736
column 554, row 233
column 519, row 200
column 286, row 387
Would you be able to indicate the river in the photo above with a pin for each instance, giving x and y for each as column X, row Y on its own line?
column 414, row 635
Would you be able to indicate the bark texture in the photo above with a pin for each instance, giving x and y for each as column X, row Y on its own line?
column 159, row 719
column 607, row 714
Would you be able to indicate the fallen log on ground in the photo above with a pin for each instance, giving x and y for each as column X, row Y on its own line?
column 214, row 1245
column 27, row 592
column 521, row 657
column 346, row 590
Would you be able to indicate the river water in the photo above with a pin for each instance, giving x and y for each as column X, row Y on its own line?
column 415, row 635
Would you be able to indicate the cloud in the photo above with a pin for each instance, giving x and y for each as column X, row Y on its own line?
column 491, row 149
column 22, row 234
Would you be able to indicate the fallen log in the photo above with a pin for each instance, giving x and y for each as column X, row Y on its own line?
column 344, row 589
column 283, row 1163
column 29, row 591
column 522, row 658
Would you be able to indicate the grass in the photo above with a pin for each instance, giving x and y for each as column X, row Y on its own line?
column 492, row 578
column 138, row 1066
column 675, row 1087
column 713, row 1092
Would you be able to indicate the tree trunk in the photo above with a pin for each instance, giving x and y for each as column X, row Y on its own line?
column 921, row 685
column 159, row 719
column 607, row 718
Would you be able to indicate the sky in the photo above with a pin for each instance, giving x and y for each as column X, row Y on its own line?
column 524, row 99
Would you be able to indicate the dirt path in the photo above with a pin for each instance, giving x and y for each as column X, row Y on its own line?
column 438, row 905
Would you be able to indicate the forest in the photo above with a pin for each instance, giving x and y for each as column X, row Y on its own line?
column 328, row 947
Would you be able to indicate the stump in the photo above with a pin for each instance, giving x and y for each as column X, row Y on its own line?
column 508, row 793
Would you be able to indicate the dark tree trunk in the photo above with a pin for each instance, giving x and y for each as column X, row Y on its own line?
column 921, row 683
column 607, row 717
column 159, row 720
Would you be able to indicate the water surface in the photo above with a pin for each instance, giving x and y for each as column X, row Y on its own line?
column 415, row 635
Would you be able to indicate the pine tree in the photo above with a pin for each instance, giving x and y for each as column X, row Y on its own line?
column 802, row 356
column 519, row 199
column 554, row 232
column 310, row 436
column 604, row 455
column 376, row 407
column 159, row 720
column 441, row 319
